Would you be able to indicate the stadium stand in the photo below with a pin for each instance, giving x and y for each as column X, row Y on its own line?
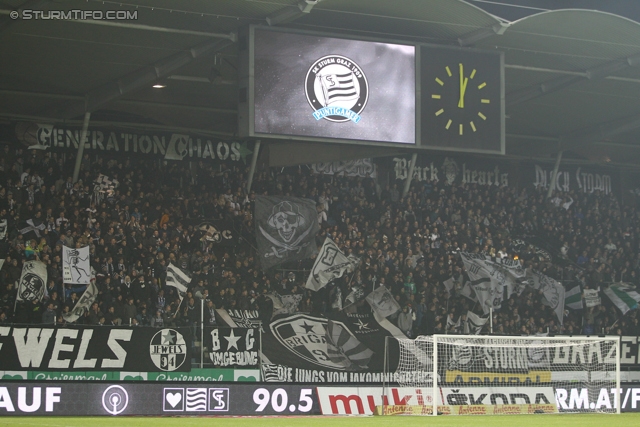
column 409, row 244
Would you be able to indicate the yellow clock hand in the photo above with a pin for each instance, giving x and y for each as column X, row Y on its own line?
column 463, row 86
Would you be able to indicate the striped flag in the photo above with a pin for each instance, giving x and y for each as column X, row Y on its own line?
column 177, row 278
column 623, row 296
column 573, row 298
column 339, row 87
column 344, row 349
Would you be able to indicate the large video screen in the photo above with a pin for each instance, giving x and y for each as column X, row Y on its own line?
column 325, row 88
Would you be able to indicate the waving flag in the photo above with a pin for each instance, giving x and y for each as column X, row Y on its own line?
column 474, row 323
column 286, row 228
column 177, row 278
column 382, row 302
column 573, row 298
column 339, row 87
column 623, row 296
column 331, row 263
column 33, row 282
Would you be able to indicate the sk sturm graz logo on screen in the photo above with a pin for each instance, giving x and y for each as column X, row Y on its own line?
column 168, row 349
column 336, row 89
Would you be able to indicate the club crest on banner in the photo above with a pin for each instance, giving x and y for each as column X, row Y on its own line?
column 31, row 287
column 305, row 336
column 168, row 349
column 337, row 89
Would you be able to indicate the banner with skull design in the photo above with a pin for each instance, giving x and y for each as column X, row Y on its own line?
column 286, row 228
column 32, row 282
column 75, row 265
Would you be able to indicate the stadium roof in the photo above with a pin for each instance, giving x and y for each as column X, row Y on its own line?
column 572, row 76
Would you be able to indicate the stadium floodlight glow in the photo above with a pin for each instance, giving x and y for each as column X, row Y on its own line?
column 291, row 13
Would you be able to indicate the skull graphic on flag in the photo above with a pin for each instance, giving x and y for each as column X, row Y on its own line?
column 285, row 229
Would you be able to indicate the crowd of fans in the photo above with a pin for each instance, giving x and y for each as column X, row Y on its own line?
column 408, row 244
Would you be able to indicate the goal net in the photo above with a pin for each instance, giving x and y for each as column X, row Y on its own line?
column 471, row 374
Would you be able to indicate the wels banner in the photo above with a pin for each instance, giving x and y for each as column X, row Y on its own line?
column 233, row 347
column 170, row 146
column 95, row 349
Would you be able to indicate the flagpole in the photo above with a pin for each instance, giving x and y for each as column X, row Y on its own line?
column 491, row 319
column 352, row 276
column 178, row 309
column 201, row 333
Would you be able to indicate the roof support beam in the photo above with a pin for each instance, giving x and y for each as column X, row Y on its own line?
column 599, row 72
column 136, row 80
column 291, row 13
column 480, row 34
column 600, row 132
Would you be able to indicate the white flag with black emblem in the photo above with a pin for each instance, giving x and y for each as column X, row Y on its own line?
column 33, row 282
column 177, row 278
column 382, row 302
column 331, row 263
column 75, row 265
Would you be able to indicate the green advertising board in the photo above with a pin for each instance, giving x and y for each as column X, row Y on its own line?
column 199, row 375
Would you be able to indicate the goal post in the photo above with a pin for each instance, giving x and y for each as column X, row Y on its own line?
column 474, row 374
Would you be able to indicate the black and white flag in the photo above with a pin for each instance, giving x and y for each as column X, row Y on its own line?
column 356, row 294
column 33, row 282
column 84, row 303
column 474, row 323
column 490, row 276
column 339, row 87
column 34, row 226
column 331, row 263
column 382, row 302
column 3, row 229
column 450, row 285
column 103, row 185
column 285, row 229
column 468, row 292
column 284, row 304
column 177, row 278
column 75, row 265
column 553, row 293
column 106, row 184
